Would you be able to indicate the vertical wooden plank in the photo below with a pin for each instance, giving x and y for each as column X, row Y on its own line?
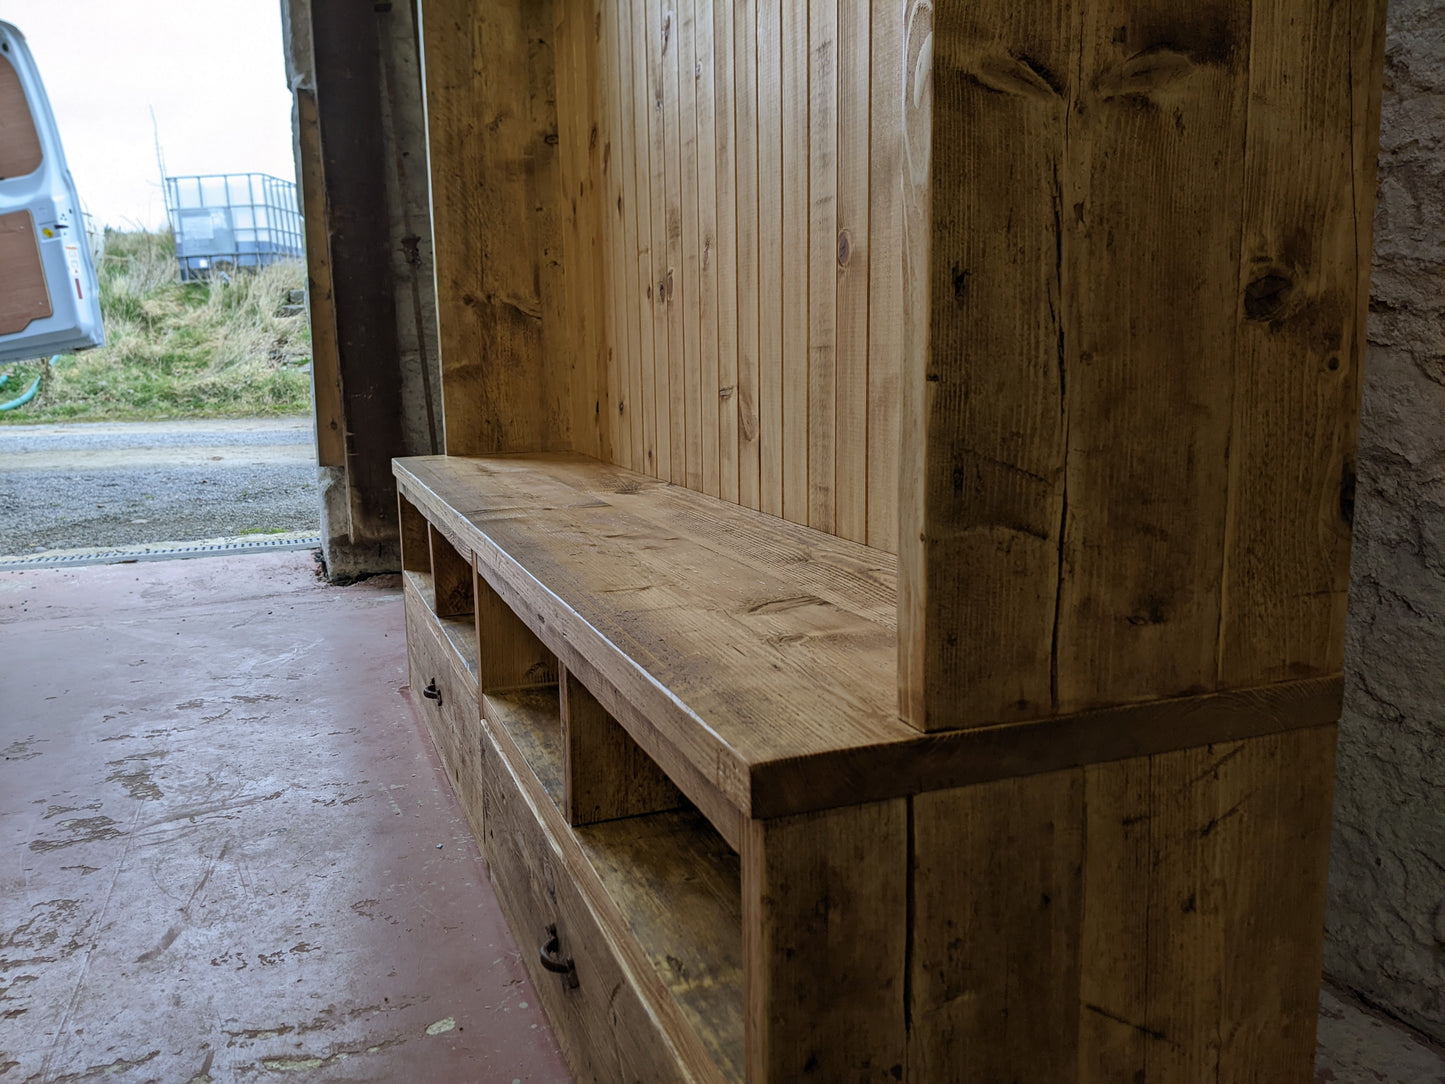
column 770, row 254
column 620, row 233
column 451, row 575
column 749, row 224
column 659, row 94
column 725, row 120
column 690, row 293
column 642, row 378
column 997, row 891
column 1270, row 981
column 707, row 224
column 884, row 253
column 1300, row 339
column 1147, row 361
column 325, row 361
column 587, row 272
column 850, row 495
column 793, row 85
column 607, row 775
column 561, row 336
column 824, row 912
column 1113, row 940
column 488, row 303
column 674, row 284
column 822, row 129
column 982, row 412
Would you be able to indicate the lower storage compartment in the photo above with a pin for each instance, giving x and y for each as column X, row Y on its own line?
column 600, row 1018
column 445, row 689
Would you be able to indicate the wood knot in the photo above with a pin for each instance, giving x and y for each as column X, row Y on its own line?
column 845, row 248
column 1265, row 295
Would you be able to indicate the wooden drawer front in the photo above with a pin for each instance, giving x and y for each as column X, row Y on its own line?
column 452, row 721
column 602, row 1023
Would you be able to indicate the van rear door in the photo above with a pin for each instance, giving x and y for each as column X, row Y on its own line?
column 49, row 295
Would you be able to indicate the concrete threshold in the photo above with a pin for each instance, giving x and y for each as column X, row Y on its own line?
column 164, row 551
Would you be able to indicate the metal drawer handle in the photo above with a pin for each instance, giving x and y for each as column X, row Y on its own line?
column 550, row 955
column 431, row 692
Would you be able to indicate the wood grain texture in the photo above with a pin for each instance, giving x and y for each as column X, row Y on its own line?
column 997, row 898
column 750, row 657
column 608, row 775
column 498, row 390
column 771, row 272
column 850, row 252
column 1156, row 918
column 613, row 27
column 415, row 539
column 820, row 417
column 795, row 255
column 20, row 151
column 751, row 184
column 1300, row 341
column 883, row 248
column 691, row 267
column 325, row 359
column 663, row 898
column 607, row 1030
column 825, row 919
column 709, row 284
column 588, row 251
column 726, row 174
column 451, row 574
column 658, row 95
column 511, row 656
column 1125, row 445
column 24, row 294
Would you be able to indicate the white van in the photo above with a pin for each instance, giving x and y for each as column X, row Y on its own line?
column 49, row 294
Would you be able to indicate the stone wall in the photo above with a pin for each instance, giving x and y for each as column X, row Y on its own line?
column 1386, row 925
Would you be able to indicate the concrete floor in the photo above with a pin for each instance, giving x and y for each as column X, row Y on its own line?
column 227, row 850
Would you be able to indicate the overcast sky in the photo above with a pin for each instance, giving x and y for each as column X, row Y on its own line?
column 212, row 69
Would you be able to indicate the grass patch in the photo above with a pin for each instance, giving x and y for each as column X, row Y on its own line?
column 176, row 350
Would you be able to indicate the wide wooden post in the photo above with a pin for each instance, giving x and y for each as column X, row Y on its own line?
column 1136, row 256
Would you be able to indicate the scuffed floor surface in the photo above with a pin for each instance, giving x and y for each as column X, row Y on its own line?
column 227, row 852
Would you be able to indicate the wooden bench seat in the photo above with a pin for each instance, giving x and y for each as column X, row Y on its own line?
column 754, row 659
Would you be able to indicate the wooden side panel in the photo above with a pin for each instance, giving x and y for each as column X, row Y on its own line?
column 984, row 379
column 1153, row 189
column 509, row 655
column 1158, row 918
column 824, row 944
column 20, row 151
column 451, row 576
column 415, row 543
column 608, row 776
column 1129, row 414
column 1301, row 342
column 24, row 296
column 496, row 381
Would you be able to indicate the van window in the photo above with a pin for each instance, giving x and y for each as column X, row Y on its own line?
column 19, row 142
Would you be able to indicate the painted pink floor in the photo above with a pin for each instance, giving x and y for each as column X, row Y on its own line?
column 226, row 846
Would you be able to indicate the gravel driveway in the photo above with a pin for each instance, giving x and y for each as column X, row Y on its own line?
column 136, row 483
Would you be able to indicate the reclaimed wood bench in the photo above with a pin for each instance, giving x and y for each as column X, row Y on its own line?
column 672, row 724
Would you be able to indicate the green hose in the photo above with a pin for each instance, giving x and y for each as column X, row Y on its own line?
column 29, row 393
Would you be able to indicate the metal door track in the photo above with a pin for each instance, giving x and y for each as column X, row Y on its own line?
column 164, row 551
